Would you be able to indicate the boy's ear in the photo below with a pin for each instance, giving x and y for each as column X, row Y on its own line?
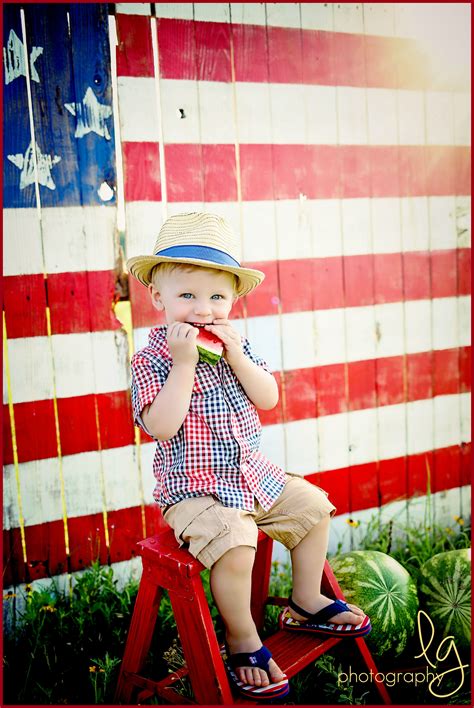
column 155, row 298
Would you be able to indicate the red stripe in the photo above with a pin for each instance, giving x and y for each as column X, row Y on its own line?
column 36, row 432
column 46, row 549
column 208, row 172
column 325, row 390
column 78, row 302
column 350, row 489
column 310, row 392
column 202, row 51
column 134, row 50
column 306, row 284
column 83, row 302
column 141, row 171
column 377, row 483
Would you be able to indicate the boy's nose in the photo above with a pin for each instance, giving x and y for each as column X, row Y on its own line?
column 202, row 308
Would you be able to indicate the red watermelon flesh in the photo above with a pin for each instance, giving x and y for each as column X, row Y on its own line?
column 209, row 346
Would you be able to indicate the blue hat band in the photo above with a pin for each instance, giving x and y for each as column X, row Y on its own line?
column 204, row 253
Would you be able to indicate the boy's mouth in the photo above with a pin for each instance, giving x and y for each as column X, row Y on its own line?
column 198, row 324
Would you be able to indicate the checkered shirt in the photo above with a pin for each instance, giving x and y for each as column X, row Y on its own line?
column 215, row 451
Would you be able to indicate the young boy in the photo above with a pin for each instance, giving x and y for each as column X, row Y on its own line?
column 213, row 485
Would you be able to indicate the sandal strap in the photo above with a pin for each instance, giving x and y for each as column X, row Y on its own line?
column 320, row 617
column 257, row 659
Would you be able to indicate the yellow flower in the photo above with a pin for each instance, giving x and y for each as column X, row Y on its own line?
column 9, row 596
column 48, row 608
column 459, row 520
column 92, row 669
column 353, row 523
column 448, row 529
column 28, row 588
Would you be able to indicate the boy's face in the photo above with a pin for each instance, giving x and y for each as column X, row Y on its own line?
column 196, row 296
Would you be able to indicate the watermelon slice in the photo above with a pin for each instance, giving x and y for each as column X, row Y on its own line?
column 209, row 346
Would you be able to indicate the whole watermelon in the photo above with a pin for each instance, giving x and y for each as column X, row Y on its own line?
column 380, row 586
column 445, row 593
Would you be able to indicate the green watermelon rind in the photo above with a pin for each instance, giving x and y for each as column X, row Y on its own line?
column 207, row 356
column 393, row 613
column 441, row 586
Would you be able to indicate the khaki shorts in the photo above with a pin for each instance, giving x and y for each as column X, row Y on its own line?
column 211, row 529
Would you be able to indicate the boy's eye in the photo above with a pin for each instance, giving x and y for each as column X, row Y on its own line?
column 186, row 296
column 216, row 297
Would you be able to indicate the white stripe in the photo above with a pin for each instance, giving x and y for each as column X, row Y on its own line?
column 352, row 438
column 411, row 117
column 138, row 113
column 382, row 116
column 379, row 19
column 439, row 118
column 348, row 334
column 290, row 113
column 211, row 12
column 320, row 228
column 462, row 120
column 41, row 494
column 133, row 8
column 175, row 10
column 74, row 239
column 143, row 221
column 79, row 361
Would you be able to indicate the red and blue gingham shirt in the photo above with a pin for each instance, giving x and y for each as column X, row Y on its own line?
column 215, row 451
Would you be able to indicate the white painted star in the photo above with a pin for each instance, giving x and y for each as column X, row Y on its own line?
column 14, row 59
column 91, row 115
column 26, row 165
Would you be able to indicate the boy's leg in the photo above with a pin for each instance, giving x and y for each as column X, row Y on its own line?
column 224, row 539
column 307, row 560
column 231, row 587
column 300, row 519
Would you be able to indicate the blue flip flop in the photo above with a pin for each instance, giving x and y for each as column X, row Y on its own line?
column 318, row 624
column 257, row 659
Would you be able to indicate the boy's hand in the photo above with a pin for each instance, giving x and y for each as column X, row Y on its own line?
column 231, row 340
column 181, row 339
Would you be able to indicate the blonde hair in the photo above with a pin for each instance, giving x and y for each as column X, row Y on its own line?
column 168, row 268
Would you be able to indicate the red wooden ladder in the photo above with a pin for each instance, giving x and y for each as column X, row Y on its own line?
column 166, row 566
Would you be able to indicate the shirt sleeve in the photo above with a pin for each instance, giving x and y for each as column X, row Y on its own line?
column 148, row 376
column 254, row 357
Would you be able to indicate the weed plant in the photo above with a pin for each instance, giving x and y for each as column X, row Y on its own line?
column 66, row 645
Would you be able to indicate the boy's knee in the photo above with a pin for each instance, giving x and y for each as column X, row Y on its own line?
column 237, row 560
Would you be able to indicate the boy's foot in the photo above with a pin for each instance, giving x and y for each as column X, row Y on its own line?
column 333, row 618
column 355, row 616
column 249, row 674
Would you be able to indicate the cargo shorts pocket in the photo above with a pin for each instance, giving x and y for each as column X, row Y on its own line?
column 197, row 522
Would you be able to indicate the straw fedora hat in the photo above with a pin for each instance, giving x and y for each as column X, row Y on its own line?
column 196, row 238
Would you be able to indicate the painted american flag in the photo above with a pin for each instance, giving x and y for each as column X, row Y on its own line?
column 339, row 152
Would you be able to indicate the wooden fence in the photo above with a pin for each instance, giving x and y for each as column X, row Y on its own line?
column 324, row 135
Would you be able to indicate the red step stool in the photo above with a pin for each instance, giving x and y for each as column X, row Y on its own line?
column 167, row 566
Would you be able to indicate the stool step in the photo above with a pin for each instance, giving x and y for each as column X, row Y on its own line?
column 293, row 651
